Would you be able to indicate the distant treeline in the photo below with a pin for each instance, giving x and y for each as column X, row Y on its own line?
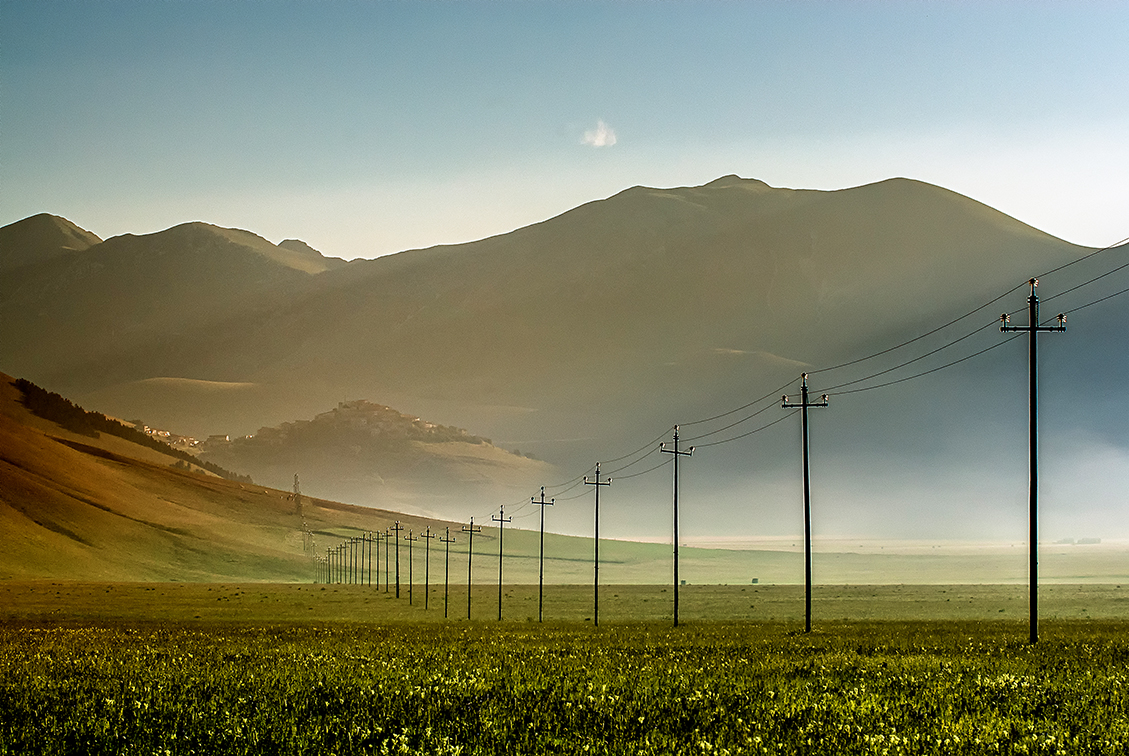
column 51, row 406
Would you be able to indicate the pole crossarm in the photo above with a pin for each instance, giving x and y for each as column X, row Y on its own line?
column 541, row 553
column 471, row 530
column 1034, row 329
column 677, row 453
column 803, row 405
column 597, row 483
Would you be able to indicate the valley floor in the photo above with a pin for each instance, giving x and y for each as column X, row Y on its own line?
column 145, row 603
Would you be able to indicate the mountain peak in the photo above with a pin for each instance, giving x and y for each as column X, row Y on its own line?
column 734, row 180
column 201, row 236
column 39, row 238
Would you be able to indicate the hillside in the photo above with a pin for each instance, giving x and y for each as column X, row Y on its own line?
column 367, row 453
column 77, row 507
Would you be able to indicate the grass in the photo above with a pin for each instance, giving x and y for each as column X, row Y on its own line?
column 638, row 688
column 66, row 602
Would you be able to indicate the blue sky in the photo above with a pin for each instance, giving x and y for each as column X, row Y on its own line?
column 370, row 127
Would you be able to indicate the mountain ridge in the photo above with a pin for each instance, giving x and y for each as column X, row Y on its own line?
column 577, row 337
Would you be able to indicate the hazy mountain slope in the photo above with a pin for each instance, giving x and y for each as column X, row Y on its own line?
column 367, row 453
column 78, row 307
column 40, row 238
column 648, row 291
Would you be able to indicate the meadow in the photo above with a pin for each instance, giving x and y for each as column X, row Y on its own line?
column 143, row 677
column 477, row 688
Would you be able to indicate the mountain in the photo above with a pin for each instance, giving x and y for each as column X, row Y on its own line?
column 92, row 305
column 581, row 337
column 41, row 238
column 371, row 454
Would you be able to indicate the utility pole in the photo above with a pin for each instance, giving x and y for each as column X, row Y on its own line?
column 501, row 519
column 396, row 529
column 409, row 538
column 447, row 541
column 596, row 578
column 803, row 405
column 387, row 572
column 469, row 556
column 1033, row 328
column 675, row 451
column 352, row 560
column 541, row 553
column 381, row 537
column 427, row 565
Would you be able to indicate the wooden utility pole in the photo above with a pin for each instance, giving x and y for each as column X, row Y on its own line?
column 1034, row 329
column 596, row 558
column 469, row 556
column 675, row 451
column 541, row 554
column 803, row 406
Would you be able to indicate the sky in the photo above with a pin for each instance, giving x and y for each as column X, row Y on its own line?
column 366, row 128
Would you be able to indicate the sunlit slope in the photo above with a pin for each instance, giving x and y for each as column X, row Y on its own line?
column 41, row 238
column 80, row 508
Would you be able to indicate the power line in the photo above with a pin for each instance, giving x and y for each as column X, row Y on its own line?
column 1087, row 283
column 644, row 472
column 968, row 314
column 742, row 420
column 927, row 372
column 632, row 463
column 1098, row 301
column 748, row 433
column 769, row 395
column 915, row 359
column 1080, row 259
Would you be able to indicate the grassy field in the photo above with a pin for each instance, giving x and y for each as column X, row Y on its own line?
column 957, row 687
column 65, row 602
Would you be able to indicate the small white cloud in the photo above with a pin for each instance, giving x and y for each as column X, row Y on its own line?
column 601, row 136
